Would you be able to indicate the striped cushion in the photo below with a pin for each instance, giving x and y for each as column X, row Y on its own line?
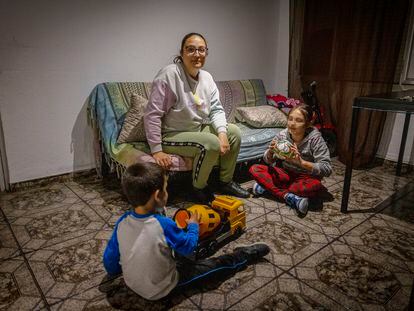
column 240, row 93
column 133, row 126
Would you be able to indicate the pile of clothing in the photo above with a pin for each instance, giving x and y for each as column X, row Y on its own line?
column 282, row 102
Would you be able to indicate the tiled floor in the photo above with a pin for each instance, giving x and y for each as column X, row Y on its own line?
column 52, row 239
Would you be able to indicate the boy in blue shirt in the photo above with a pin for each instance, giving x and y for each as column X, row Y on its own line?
column 142, row 242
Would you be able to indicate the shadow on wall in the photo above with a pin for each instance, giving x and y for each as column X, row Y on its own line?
column 82, row 142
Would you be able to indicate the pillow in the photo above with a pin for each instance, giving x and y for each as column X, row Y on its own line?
column 133, row 127
column 261, row 116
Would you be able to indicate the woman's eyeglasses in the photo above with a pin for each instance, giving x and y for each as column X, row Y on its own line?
column 191, row 50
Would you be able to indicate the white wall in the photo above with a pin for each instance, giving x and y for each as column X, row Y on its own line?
column 53, row 52
column 389, row 147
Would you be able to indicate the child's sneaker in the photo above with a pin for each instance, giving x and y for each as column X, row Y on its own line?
column 300, row 204
column 252, row 252
column 257, row 189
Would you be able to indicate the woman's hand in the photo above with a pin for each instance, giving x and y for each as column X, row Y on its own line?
column 224, row 143
column 163, row 159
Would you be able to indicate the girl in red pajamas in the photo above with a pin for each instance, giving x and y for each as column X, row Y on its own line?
column 295, row 180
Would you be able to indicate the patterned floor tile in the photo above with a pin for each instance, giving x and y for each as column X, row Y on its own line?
column 227, row 292
column 110, row 206
column 83, row 186
column 380, row 183
column 8, row 245
column 254, row 210
column 390, row 168
column 338, row 173
column 401, row 209
column 410, row 196
column 331, row 181
column 64, row 228
column 356, row 279
column 290, row 242
column 329, row 220
column 247, row 184
column 34, row 201
column 362, row 199
column 73, row 267
column 385, row 236
column 286, row 293
column 18, row 290
column 52, row 225
column 104, row 196
column 267, row 202
column 115, row 295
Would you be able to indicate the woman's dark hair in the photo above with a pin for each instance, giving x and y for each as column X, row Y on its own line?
column 306, row 111
column 178, row 58
column 141, row 180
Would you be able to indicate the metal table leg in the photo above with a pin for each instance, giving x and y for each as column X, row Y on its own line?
column 350, row 159
column 411, row 303
column 402, row 145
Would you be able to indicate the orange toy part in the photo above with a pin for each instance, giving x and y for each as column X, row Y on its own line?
column 180, row 218
column 209, row 218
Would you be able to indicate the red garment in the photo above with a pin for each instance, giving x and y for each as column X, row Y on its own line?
column 277, row 98
column 279, row 182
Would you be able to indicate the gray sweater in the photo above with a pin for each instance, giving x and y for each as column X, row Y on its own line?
column 312, row 148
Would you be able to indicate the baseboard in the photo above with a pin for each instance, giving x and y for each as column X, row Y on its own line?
column 394, row 158
column 44, row 181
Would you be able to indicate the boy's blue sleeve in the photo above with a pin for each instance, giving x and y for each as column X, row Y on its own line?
column 183, row 242
column 111, row 255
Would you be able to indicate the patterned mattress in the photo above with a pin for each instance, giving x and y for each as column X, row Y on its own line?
column 255, row 141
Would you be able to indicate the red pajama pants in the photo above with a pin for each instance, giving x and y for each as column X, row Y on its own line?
column 278, row 182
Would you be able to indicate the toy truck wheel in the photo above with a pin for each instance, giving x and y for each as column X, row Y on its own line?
column 202, row 252
column 212, row 247
column 238, row 232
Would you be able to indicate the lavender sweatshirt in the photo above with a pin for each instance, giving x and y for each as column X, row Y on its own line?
column 179, row 103
column 312, row 148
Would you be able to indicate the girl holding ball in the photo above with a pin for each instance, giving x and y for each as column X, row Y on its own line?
column 295, row 176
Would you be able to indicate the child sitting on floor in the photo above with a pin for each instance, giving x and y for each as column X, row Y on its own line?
column 143, row 241
column 297, row 177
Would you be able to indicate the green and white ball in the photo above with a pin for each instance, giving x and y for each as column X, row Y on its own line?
column 283, row 149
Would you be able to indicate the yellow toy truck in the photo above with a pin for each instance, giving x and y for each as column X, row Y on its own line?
column 224, row 219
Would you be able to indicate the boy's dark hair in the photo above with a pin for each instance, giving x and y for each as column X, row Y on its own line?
column 141, row 180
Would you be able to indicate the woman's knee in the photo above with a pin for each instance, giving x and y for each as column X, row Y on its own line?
column 210, row 142
column 233, row 134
